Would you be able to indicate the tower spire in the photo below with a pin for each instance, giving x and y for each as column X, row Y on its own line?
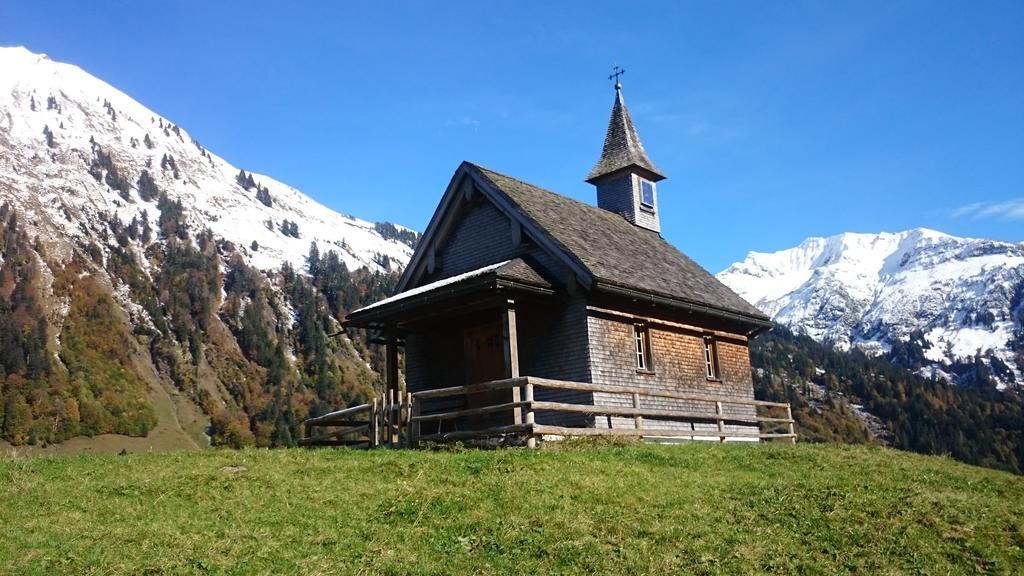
column 624, row 176
column 622, row 146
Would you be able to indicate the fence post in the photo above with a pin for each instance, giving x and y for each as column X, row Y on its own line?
column 382, row 415
column 792, row 429
column 389, row 417
column 414, row 428
column 407, row 421
column 638, row 420
column 531, row 440
column 373, row 424
column 721, row 422
column 398, row 419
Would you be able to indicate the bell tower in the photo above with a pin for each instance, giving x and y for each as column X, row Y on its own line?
column 625, row 177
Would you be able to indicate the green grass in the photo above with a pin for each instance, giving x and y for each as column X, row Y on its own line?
column 697, row 508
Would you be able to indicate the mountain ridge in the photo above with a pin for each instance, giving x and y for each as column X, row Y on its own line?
column 151, row 291
column 957, row 298
column 65, row 101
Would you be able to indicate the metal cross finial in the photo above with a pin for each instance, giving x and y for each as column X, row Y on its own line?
column 616, row 72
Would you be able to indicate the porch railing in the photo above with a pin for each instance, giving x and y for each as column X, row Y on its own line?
column 381, row 422
column 397, row 420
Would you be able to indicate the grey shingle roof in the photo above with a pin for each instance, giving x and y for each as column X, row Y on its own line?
column 520, row 270
column 517, row 270
column 622, row 147
column 617, row 252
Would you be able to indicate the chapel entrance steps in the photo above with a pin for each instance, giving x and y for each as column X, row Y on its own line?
column 400, row 419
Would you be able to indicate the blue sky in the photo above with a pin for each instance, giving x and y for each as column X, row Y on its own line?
column 773, row 120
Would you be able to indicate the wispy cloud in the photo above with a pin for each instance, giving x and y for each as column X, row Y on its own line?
column 1005, row 210
column 465, row 121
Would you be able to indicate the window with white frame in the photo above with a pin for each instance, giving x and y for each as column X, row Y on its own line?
column 647, row 193
column 642, row 340
column 711, row 358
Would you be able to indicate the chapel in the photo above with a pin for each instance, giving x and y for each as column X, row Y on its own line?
column 511, row 280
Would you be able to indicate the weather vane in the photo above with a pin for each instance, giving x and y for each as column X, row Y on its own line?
column 616, row 72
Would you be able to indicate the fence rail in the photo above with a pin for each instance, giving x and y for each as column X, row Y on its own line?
column 382, row 422
column 397, row 419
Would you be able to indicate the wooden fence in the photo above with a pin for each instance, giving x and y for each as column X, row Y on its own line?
column 382, row 422
column 398, row 421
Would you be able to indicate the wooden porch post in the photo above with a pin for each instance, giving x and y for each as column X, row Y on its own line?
column 392, row 363
column 511, row 341
column 392, row 391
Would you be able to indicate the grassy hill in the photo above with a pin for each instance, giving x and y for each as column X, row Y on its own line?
column 577, row 509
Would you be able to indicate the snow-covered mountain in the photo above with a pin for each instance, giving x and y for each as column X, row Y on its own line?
column 148, row 288
column 963, row 295
column 56, row 119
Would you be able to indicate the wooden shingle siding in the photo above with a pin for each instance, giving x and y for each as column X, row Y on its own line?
column 553, row 344
column 621, row 195
column 678, row 365
column 434, row 360
column 616, row 195
column 482, row 236
column 414, row 369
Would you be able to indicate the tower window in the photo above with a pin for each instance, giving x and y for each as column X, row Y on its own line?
column 647, row 193
column 711, row 358
column 642, row 339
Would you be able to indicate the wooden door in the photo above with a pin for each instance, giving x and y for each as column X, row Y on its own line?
column 485, row 361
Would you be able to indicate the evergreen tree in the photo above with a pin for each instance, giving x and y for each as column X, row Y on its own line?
column 313, row 260
column 103, row 169
column 263, row 195
column 147, row 230
column 148, row 189
column 289, row 228
column 391, row 232
column 167, row 162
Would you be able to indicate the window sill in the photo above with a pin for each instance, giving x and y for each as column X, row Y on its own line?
column 713, row 379
column 647, row 208
column 645, row 371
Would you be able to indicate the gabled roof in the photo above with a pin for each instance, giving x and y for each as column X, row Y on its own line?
column 622, row 147
column 599, row 249
column 616, row 253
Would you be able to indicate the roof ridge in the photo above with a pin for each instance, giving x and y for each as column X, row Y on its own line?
column 582, row 204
